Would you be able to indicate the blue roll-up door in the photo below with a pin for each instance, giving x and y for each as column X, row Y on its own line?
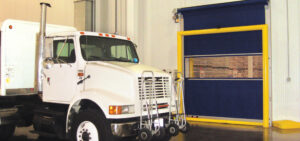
column 248, row 12
column 224, row 97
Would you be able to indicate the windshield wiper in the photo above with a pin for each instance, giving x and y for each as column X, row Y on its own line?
column 121, row 60
column 96, row 58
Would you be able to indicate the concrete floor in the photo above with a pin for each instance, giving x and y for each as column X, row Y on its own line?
column 204, row 132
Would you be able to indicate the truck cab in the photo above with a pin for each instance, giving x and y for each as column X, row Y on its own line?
column 106, row 66
column 100, row 69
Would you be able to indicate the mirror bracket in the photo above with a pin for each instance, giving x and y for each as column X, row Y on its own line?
column 48, row 63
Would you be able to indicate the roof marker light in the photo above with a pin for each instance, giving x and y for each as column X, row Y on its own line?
column 82, row 33
column 10, row 26
column 100, row 34
column 113, row 36
column 107, row 35
column 128, row 38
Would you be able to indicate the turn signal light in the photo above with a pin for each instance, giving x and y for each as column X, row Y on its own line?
column 80, row 74
column 115, row 110
column 125, row 109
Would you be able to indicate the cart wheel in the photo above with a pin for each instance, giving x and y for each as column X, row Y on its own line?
column 173, row 129
column 186, row 128
column 145, row 135
column 167, row 137
column 161, row 133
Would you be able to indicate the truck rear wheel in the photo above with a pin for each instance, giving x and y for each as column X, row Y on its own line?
column 91, row 125
column 6, row 131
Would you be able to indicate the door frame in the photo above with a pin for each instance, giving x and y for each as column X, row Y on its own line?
column 264, row 28
column 74, row 65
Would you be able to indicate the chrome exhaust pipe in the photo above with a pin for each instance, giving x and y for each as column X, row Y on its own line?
column 40, row 49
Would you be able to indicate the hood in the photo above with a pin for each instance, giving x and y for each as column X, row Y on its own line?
column 132, row 68
column 137, row 68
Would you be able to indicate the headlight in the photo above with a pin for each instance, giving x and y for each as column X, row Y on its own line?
column 118, row 110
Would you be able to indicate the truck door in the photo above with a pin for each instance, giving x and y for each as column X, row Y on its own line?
column 60, row 80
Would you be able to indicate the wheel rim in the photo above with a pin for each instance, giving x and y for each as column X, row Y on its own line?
column 144, row 135
column 158, row 133
column 172, row 130
column 87, row 131
column 183, row 128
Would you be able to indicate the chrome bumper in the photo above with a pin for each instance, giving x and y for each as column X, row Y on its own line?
column 8, row 112
column 7, row 116
column 124, row 129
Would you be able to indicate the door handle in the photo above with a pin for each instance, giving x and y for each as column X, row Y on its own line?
column 81, row 81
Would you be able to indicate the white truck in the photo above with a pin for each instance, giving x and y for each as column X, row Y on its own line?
column 84, row 86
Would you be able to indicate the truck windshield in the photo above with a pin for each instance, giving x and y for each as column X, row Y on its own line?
column 95, row 48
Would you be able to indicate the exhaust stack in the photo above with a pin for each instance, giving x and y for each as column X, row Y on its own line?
column 40, row 49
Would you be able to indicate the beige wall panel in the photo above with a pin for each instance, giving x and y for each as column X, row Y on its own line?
column 61, row 12
column 79, row 15
column 285, row 59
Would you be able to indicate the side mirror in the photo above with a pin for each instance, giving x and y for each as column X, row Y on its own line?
column 48, row 63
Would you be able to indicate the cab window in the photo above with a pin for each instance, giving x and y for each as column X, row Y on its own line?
column 121, row 51
column 64, row 51
column 107, row 49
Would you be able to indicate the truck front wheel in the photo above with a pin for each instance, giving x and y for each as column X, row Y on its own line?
column 91, row 125
column 6, row 131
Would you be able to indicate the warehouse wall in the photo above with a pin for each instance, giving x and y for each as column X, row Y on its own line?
column 83, row 15
column 285, row 60
column 157, row 42
column 62, row 11
column 106, row 16
column 150, row 25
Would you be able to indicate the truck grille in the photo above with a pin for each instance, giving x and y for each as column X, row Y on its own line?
column 161, row 88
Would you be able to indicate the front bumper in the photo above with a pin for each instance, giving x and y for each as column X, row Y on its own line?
column 8, row 116
column 129, row 127
column 124, row 129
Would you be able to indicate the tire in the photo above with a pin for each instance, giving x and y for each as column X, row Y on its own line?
column 186, row 128
column 145, row 135
column 165, row 137
column 159, row 135
column 6, row 131
column 173, row 129
column 91, row 125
